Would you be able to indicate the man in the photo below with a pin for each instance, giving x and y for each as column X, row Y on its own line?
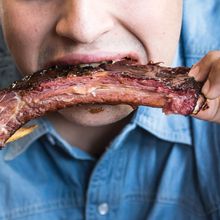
column 116, row 164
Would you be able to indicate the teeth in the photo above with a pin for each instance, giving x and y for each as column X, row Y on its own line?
column 83, row 65
column 93, row 64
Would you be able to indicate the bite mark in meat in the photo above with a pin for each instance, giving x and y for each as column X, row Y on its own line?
column 110, row 83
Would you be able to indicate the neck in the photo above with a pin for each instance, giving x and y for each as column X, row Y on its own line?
column 93, row 140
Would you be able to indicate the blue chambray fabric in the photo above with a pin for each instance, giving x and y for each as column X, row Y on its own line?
column 158, row 168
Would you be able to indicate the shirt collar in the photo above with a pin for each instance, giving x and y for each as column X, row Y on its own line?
column 172, row 128
column 44, row 128
column 14, row 149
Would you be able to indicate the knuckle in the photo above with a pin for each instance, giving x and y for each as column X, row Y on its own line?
column 212, row 94
column 217, row 64
column 215, row 115
column 212, row 91
column 216, row 67
column 213, row 55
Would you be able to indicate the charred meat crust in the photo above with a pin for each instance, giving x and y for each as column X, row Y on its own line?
column 173, row 78
column 110, row 83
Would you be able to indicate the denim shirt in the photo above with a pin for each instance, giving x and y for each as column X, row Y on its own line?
column 158, row 168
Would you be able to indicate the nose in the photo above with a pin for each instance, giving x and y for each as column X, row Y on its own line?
column 83, row 21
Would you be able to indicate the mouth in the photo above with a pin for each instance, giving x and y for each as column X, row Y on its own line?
column 83, row 60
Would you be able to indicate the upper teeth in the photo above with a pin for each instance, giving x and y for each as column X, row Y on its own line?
column 92, row 64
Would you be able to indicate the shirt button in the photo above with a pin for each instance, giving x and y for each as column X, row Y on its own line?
column 103, row 209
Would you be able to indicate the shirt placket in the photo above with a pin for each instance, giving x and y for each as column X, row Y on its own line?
column 104, row 187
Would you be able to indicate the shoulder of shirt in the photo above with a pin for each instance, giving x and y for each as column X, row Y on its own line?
column 200, row 29
column 14, row 149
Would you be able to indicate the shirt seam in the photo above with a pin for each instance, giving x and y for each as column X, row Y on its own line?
column 70, row 203
column 173, row 201
column 42, row 208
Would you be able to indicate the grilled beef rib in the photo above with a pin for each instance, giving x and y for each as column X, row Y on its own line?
column 110, row 83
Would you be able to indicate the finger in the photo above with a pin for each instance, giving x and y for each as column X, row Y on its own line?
column 211, row 88
column 212, row 113
column 201, row 69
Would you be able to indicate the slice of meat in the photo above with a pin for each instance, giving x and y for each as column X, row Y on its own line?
column 110, row 83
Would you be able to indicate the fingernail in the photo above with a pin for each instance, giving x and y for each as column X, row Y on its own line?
column 205, row 88
column 194, row 71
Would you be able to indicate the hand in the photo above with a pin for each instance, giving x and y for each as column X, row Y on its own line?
column 208, row 70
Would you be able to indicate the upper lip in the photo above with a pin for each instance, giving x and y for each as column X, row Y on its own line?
column 74, row 59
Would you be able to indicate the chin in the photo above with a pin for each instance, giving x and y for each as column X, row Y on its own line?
column 96, row 115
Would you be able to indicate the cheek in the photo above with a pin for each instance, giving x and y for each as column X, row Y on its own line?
column 17, row 31
column 155, row 23
column 24, row 31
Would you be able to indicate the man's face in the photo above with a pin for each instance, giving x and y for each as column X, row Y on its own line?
column 41, row 32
